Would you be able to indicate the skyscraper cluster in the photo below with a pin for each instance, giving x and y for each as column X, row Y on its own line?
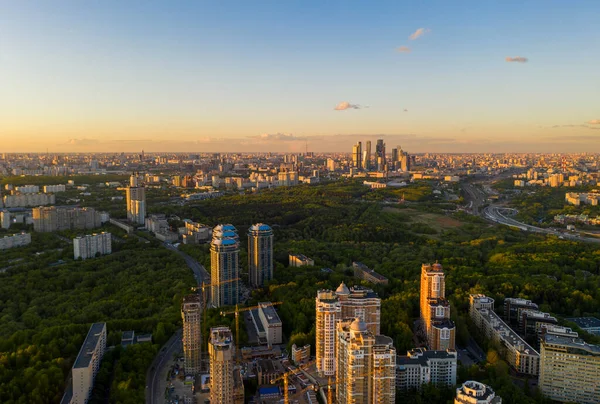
column 136, row 199
column 435, row 308
column 350, row 348
column 225, row 266
column 364, row 160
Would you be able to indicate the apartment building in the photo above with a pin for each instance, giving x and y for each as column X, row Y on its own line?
column 50, row 219
column 221, row 352
column 360, row 302
column 518, row 353
column 225, row 266
column 87, row 363
column 366, row 365
column 191, row 314
column 28, row 200
column 260, row 254
column 328, row 312
column 267, row 324
column 92, row 244
column 15, row 240
column 569, row 369
column 361, row 271
column 435, row 309
column 421, row 366
column 513, row 308
column 300, row 260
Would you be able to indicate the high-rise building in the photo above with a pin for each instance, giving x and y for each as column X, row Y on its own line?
column 380, row 154
column 435, row 309
column 472, row 392
column 225, row 266
column 136, row 199
column 89, row 245
column 5, row 219
column 354, row 302
column 569, row 369
column 260, row 254
column 366, row 365
column 191, row 314
column 221, row 352
column 366, row 163
column 360, row 302
column 357, row 155
column 49, row 219
column 329, row 310
column 87, row 363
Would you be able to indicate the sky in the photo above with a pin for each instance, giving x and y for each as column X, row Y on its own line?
column 225, row 76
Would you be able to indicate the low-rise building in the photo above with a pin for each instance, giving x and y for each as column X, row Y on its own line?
column 300, row 260
column 268, row 370
column 421, row 366
column 518, row 353
column 361, row 271
column 514, row 306
column 267, row 324
column 472, row 392
column 300, row 354
column 54, row 188
column 587, row 324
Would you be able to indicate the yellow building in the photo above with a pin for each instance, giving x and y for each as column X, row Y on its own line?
column 221, row 351
column 435, row 309
column 191, row 313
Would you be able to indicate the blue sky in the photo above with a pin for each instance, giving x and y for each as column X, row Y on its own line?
column 266, row 75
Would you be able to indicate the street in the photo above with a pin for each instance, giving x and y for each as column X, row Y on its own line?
column 157, row 374
column 200, row 273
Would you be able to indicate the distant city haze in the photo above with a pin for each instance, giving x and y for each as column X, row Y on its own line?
column 246, row 76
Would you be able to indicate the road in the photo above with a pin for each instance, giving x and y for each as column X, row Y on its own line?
column 475, row 195
column 156, row 376
column 200, row 273
column 503, row 215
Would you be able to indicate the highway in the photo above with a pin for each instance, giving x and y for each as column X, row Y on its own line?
column 156, row 376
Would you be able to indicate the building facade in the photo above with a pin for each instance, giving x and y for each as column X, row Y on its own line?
column 366, row 365
column 421, row 366
column 136, row 199
column 15, row 240
column 50, row 219
column 191, row 314
column 225, row 266
column 569, row 370
column 260, row 254
column 28, row 200
column 221, row 352
column 87, row 363
column 360, row 302
column 519, row 354
column 329, row 311
column 92, row 244
column 435, row 309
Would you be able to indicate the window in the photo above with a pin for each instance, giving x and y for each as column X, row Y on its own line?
column 444, row 333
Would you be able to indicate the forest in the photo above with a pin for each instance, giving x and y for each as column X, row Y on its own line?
column 46, row 310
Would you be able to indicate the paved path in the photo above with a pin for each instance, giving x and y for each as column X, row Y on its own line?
column 200, row 273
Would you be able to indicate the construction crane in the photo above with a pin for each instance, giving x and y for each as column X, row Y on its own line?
column 237, row 319
column 285, row 377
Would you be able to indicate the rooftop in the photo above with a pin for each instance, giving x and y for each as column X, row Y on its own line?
column 89, row 345
column 270, row 313
column 573, row 343
column 586, row 322
column 260, row 227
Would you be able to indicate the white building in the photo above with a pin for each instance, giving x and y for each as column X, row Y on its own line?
column 16, row 240
column 4, row 219
column 472, row 392
column 27, row 189
column 54, row 188
column 421, row 366
column 27, row 200
column 88, row 246
column 328, row 313
column 87, row 363
column 267, row 323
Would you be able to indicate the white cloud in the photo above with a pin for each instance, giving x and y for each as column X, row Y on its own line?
column 517, row 59
column 346, row 105
column 418, row 33
column 403, row 49
column 83, row 142
column 286, row 137
column 594, row 122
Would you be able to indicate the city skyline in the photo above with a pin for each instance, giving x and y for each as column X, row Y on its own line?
column 107, row 76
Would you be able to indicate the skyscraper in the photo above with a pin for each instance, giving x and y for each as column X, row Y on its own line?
column 366, row 365
column 362, row 303
column 367, row 156
column 221, row 351
column 435, row 309
column 380, row 154
column 224, row 265
column 136, row 199
column 260, row 254
column 191, row 313
column 328, row 313
column 357, row 155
